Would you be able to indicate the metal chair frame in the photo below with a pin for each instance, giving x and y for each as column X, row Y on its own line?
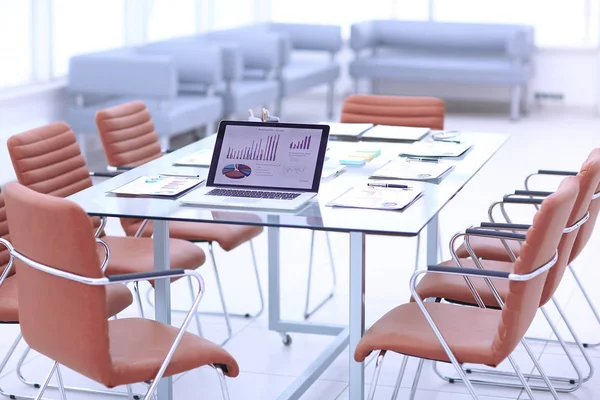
column 124, row 279
column 466, row 273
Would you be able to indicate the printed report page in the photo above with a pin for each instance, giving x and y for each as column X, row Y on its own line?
column 268, row 156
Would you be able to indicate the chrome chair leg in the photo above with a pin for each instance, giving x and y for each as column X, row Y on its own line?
column 308, row 313
column 400, row 377
column 46, row 382
column 378, row 364
column 258, row 285
column 138, row 299
column 222, row 383
column 413, row 390
column 129, row 392
column 588, row 300
column 418, row 252
column 521, row 377
column 60, row 383
column 193, row 297
column 221, row 296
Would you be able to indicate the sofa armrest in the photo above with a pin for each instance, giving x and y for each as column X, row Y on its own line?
column 261, row 50
column 119, row 74
column 363, row 35
column 522, row 43
column 196, row 61
column 311, row 36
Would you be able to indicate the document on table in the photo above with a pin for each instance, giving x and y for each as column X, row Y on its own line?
column 412, row 170
column 201, row 158
column 332, row 171
column 434, row 149
column 157, row 186
column 395, row 133
column 377, row 198
column 346, row 130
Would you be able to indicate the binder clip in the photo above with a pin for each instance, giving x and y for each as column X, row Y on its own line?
column 265, row 116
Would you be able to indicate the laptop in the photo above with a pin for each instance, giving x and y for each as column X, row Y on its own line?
column 263, row 165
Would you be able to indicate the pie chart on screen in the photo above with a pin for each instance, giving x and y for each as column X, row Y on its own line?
column 236, row 171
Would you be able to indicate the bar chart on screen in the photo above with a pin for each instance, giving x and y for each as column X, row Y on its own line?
column 303, row 144
column 257, row 150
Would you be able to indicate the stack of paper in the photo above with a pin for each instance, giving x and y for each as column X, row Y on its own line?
column 377, row 198
column 395, row 133
column 160, row 186
column 201, row 158
column 434, row 149
column 346, row 131
column 411, row 170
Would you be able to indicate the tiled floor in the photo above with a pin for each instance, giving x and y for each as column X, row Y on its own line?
column 551, row 139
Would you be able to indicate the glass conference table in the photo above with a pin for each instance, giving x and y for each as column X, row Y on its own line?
column 315, row 215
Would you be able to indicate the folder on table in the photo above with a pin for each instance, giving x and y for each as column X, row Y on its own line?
column 395, row 133
column 158, row 186
column 377, row 198
column 201, row 158
column 434, row 149
column 347, row 131
column 412, row 170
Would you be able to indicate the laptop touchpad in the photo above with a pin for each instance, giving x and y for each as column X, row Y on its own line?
column 238, row 200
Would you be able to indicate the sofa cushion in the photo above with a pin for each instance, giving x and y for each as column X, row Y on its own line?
column 179, row 114
column 247, row 94
column 493, row 71
column 301, row 76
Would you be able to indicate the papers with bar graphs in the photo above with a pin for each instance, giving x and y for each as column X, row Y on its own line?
column 412, row 170
column 377, row 198
column 157, row 186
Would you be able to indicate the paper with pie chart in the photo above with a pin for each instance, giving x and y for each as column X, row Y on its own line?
column 412, row 170
column 377, row 198
column 278, row 157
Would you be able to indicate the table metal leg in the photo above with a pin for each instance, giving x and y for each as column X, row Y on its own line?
column 432, row 241
column 162, row 293
column 274, row 278
column 357, row 312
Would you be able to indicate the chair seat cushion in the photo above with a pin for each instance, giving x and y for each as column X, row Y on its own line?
column 138, row 348
column 469, row 331
column 118, row 298
column 228, row 236
column 299, row 76
column 493, row 71
column 247, row 94
column 489, row 249
column 454, row 287
column 180, row 114
column 132, row 255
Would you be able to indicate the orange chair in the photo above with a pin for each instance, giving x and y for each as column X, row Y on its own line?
column 458, row 334
column 425, row 112
column 129, row 140
column 118, row 297
column 455, row 289
column 55, row 233
column 48, row 160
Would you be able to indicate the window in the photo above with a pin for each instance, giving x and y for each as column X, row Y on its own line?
column 83, row 26
column 15, row 42
column 341, row 12
column 168, row 19
column 232, row 13
column 557, row 23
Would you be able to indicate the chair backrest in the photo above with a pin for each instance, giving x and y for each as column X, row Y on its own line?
column 62, row 319
column 426, row 112
column 128, row 135
column 48, row 160
column 540, row 245
column 590, row 175
column 589, row 179
column 4, row 255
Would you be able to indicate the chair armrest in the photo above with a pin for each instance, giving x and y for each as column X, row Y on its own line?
column 486, row 273
column 196, row 61
column 497, row 225
column 260, row 50
column 105, row 174
column 363, row 35
column 124, row 75
column 8, row 266
column 535, row 193
column 106, row 253
column 555, row 172
column 311, row 36
column 522, row 43
column 494, row 234
column 508, row 199
column 147, row 276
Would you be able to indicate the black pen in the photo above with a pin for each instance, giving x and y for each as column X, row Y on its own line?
column 446, row 140
column 421, row 159
column 388, row 185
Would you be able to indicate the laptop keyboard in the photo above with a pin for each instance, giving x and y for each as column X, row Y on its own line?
column 255, row 194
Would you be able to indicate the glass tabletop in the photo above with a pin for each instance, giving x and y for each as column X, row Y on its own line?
column 315, row 214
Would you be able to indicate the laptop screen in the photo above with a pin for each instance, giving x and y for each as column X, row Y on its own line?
column 269, row 155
